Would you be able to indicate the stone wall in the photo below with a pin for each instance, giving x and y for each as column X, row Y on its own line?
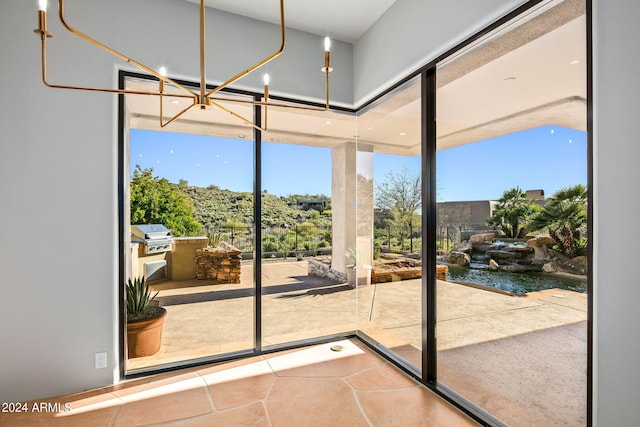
column 321, row 267
column 220, row 265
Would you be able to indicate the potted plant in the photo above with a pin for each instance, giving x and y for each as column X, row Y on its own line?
column 144, row 319
column 357, row 271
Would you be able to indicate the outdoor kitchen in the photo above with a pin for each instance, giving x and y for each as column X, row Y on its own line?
column 157, row 255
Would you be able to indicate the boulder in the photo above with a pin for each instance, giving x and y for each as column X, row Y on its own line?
column 519, row 268
column 459, row 258
column 577, row 265
column 540, row 253
column 493, row 265
column 505, row 255
column 580, row 262
column 540, row 241
column 548, row 268
column 481, row 238
column 482, row 247
column 463, row 246
column 522, row 249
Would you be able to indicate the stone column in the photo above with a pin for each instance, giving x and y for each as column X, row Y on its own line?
column 364, row 207
column 352, row 203
column 343, row 203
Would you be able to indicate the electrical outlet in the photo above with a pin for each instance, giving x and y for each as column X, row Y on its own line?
column 101, row 360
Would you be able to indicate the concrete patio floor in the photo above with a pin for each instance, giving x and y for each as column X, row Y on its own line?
column 483, row 336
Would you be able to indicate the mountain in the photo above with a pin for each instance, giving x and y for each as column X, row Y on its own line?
column 215, row 207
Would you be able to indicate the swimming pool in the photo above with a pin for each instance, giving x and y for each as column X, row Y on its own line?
column 517, row 283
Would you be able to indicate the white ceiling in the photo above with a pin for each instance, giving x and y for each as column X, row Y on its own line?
column 345, row 20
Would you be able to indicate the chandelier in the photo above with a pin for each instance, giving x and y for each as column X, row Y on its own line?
column 203, row 98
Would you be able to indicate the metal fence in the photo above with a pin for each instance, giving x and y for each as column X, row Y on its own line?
column 282, row 240
column 285, row 241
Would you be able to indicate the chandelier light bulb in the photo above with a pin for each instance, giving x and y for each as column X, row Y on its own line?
column 266, row 79
column 163, row 71
column 327, row 44
column 42, row 5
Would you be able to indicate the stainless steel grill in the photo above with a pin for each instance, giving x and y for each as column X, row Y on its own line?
column 156, row 237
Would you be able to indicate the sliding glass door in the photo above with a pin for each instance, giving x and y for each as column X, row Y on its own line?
column 511, row 219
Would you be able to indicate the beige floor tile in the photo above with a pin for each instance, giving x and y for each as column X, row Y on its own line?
column 322, row 361
column 414, row 406
column 252, row 415
column 240, row 385
column 165, row 400
column 313, row 402
column 381, row 377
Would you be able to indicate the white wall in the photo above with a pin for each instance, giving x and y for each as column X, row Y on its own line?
column 58, row 168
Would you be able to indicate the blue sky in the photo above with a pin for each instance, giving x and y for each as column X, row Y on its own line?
column 547, row 158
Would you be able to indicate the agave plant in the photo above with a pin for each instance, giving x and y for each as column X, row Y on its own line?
column 138, row 295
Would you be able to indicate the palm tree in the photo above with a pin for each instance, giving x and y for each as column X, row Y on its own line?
column 514, row 210
column 565, row 216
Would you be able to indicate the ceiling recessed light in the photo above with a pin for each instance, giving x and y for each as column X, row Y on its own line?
column 509, row 79
column 370, row 128
column 242, row 136
column 574, row 62
column 328, row 122
column 175, row 101
column 403, row 133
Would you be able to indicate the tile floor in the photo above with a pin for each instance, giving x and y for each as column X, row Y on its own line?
column 313, row 386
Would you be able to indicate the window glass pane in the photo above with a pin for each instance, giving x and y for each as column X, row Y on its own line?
column 511, row 207
column 388, row 243
column 305, row 192
column 196, row 180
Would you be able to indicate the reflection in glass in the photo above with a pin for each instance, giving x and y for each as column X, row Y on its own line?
column 306, row 186
column 389, row 208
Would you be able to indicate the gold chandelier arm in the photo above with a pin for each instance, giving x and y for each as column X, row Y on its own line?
column 238, row 116
column 91, row 89
column 260, row 63
column 269, row 103
column 176, row 117
column 61, row 12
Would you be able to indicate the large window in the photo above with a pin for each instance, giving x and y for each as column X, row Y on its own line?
column 444, row 224
column 511, row 221
column 200, row 186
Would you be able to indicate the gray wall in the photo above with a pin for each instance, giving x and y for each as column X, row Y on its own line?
column 58, row 169
column 413, row 32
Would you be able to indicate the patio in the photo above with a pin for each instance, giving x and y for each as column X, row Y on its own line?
column 487, row 342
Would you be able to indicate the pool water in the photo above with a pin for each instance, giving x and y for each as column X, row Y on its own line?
column 517, row 283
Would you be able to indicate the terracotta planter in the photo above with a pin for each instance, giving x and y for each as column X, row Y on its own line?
column 145, row 336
